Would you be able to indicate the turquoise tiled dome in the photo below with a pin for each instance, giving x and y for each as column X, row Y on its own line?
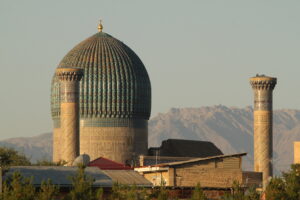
column 115, row 82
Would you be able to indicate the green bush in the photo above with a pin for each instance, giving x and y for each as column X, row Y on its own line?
column 81, row 186
column 48, row 191
column 198, row 193
column 18, row 188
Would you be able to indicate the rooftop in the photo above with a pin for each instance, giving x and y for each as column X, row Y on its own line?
column 61, row 175
column 106, row 164
column 185, row 148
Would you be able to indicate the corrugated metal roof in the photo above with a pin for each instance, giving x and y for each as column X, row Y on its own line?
column 128, row 177
column 60, row 175
column 200, row 159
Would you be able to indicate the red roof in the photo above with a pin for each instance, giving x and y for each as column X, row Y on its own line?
column 106, row 164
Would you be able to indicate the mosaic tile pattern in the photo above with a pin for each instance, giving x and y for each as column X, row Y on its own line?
column 115, row 82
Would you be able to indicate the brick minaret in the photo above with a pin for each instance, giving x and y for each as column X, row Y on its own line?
column 297, row 152
column 69, row 108
column 263, row 137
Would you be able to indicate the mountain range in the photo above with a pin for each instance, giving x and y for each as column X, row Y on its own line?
column 229, row 128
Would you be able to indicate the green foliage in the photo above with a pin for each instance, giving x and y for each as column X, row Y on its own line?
column 82, row 186
column 116, row 192
column 163, row 194
column 237, row 192
column 240, row 193
column 276, row 189
column 10, row 157
column 48, row 191
column 125, row 192
column 132, row 193
column 99, row 194
column 287, row 187
column 292, row 182
column 252, row 194
column 50, row 163
column 198, row 193
column 18, row 188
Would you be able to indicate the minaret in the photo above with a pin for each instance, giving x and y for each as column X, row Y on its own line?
column 263, row 137
column 69, row 108
column 297, row 152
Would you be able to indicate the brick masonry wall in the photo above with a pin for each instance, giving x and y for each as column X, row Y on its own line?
column 56, row 144
column 220, row 178
column 115, row 143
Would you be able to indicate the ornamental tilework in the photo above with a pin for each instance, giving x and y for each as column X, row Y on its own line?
column 115, row 82
column 114, row 100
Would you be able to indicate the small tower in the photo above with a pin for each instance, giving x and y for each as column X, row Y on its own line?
column 263, row 116
column 297, row 152
column 69, row 108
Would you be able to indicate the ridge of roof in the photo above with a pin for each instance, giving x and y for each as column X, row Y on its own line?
column 198, row 159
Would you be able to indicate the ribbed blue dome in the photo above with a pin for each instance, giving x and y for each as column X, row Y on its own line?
column 115, row 82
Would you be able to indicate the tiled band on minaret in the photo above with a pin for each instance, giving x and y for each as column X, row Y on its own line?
column 263, row 138
column 69, row 107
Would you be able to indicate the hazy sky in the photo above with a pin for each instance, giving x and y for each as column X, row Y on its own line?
column 197, row 53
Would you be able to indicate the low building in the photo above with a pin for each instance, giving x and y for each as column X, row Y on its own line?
column 211, row 172
column 61, row 176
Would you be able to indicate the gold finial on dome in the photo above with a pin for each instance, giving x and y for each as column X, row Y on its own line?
column 100, row 26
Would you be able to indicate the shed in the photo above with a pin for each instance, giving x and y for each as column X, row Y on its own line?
column 211, row 172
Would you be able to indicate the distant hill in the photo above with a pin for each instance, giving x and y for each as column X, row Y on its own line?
column 228, row 128
column 35, row 148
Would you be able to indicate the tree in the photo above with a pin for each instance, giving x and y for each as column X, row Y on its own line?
column 9, row 157
column 237, row 192
column 286, row 187
column 292, row 182
column 276, row 189
column 82, row 186
column 99, row 194
column 163, row 194
column 50, row 163
column 48, row 191
column 132, row 193
column 198, row 193
column 117, row 192
column 252, row 194
column 18, row 188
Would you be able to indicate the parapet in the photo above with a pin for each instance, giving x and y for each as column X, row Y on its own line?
column 262, row 82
